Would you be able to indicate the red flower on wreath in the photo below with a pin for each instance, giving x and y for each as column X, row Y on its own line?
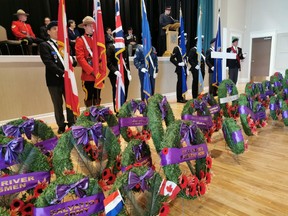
column 208, row 177
column 41, row 121
column 138, row 135
column 183, row 181
column 24, row 117
column 69, row 172
column 118, row 162
column 129, row 167
column 202, row 188
column 209, row 162
column 86, row 113
column 137, row 165
column 193, row 190
column 38, row 190
column 27, row 210
column 137, row 186
column 111, row 179
column 106, row 173
column 129, row 132
column 164, row 210
column 87, row 147
column 95, row 154
column 165, row 151
column 16, row 204
column 110, row 112
column 201, row 174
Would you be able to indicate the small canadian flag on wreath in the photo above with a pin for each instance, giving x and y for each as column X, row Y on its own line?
column 169, row 188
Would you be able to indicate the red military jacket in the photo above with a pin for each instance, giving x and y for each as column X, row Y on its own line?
column 21, row 30
column 84, row 59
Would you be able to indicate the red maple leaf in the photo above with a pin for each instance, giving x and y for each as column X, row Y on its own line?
column 169, row 188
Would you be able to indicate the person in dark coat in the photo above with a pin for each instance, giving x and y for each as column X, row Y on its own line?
column 109, row 39
column 54, row 68
column 192, row 58
column 210, row 64
column 139, row 62
column 177, row 59
column 73, row 34
column 234, row 65
column 43, row 29
column 112, row 65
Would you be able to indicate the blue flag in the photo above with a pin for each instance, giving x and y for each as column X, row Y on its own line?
column 147, row 48
column 199, row 52
column 217, row 73
column 183, row 53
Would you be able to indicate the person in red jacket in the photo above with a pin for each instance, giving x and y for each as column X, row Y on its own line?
column 84, row 55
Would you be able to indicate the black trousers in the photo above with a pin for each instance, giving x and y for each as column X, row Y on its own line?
column 212, row 89
column 92, row 94
column 233, row 74
column 57, row 93
column 195, row 74
column 113, row 79
column 179, row 86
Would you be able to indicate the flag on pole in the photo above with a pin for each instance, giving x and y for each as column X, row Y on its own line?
column 217, row 73
column 169, row 188
column 199, row 52
column 113, row 204
column 71, row 91
column 119, row 49
column 101, row 48
column 147, row 48
column 183, row 53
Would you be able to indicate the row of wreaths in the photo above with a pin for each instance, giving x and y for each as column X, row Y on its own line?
column 30, row 152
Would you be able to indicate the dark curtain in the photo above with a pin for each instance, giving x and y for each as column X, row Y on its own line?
column 78, row 9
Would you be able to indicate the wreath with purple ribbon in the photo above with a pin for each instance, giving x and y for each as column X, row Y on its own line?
column 82, row 189
column 184, row 142
column 252, row 90
column 159, row 111
column 276, row 82
column 278, row 109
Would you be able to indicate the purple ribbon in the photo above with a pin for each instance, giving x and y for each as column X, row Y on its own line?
column 139, row 150
column 80, row 207
column 253, row 87
column 237, row 136
column 200, row 106
column 47, row 145
column 277, row 84
column 273, row 107
column 214, row 109
column 26, row 127
column 116, row 130
column 262, row 96
column 79, row 188
column 163, row 108
column 285, row 114
column 133, row 121
column 268, row 85
column 250, row 102
column 286, row 91
column 17, row 183
column 82, row 134
column 255, row 116
column 141, row 106
column 203, row 122
column 269, row 92
column 180, row 155
column 188, row 133
column 206, row 98
column 13, row 148
column 134, row 179
column 229, row 88
column 99, row 114
column 260, row 86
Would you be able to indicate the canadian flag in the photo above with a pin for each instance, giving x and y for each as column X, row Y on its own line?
column 169, row 188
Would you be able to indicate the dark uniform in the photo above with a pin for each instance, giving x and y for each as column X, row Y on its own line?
column 112, row 65
column 139, row 63
column 109, row 40
column 234, row 64
column 128, row 40
column 192, row 58
column 54, row 71
column 210, row 64
column 163, row 21
column 73, row 35
column 43, row 33
column 176, row 58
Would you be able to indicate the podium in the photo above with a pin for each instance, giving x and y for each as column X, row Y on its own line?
column 171, row 37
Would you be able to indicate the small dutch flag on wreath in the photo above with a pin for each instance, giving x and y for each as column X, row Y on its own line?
column 113, row 204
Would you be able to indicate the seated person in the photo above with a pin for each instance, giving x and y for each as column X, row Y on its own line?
column 73, row 34
column 109, row 39
column 43, row 29
column 130, row 41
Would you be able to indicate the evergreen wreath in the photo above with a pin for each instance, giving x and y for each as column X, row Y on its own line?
column 49, row 194
column 100, row 114
column 196, row 107
column 194, row 184
column 252, row 115
column 268, row 88
column 275, row 108
column 107, row 145
column 137, row 153
column 233, row 136
column 262, row 96
column 227, row 86
column 276, row 82
column 158, row 110
column 153, row 199
column 252, row 90
column 129, row 110
column 285, row 112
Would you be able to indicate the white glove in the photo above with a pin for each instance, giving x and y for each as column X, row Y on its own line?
column 181, row 64
column 212, row 68
column 117, row 73
column 227, row 68
column 144, row 70
column 197, row 67
column 129, row 75
column 244, row 55
column 155, row 75
column 188, row 73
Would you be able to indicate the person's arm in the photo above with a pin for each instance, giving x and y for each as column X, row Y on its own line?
column 48, row 59
column 139, row 59
column 240, row 54
column 173, row 57
column 15, row 30
column 209, row 59
column 110, row 58
column 191, row 58
column 80, row 56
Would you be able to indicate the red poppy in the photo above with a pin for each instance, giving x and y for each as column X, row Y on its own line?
column 27, row 210
column 16, row 204
column 148, row 136
column 208, row 177
column 69, row 172
column 38, row 190
column 192, row 105
column 144, row 132
column 129, row 133
column 193, row 190
column 137, row 136
column 165, row 151
column 95, row 154
column 41, row 121
column 24, row 117
column 86, row 113
column 111, row 179
column 137, row 165
column 106, row 173
column 103, row 185
column 87, row 147
column 110, row 112
column 129, row 167
column 68, row 129
column 153, row 167
column 202, row 188
column 137, row 186
column 201, row 174
column 183, row 181
column 118, row 162
column 209, row 162
column 164, row 210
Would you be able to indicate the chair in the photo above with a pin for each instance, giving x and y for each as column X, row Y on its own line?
column 4, row 41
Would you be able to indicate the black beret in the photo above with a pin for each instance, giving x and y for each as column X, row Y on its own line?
column 213, row 40
column 52, row 24
column 235, row 39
